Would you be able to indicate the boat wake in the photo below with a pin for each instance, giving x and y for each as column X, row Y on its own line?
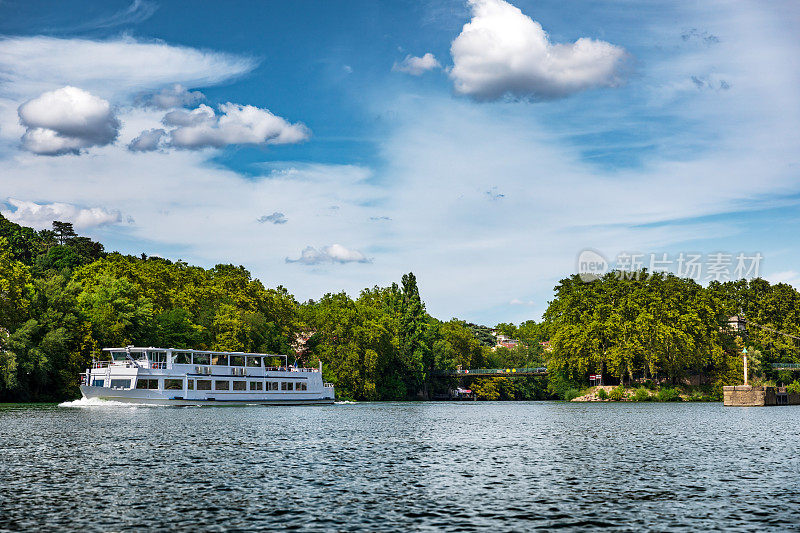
column 344, row 402
column 98, row 402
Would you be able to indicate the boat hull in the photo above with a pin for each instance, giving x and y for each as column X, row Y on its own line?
column 134, row 396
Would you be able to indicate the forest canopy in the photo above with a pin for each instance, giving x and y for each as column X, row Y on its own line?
column 63, row 298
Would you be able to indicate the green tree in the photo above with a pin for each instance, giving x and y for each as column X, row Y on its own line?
column 15, row 280
column 414, row 353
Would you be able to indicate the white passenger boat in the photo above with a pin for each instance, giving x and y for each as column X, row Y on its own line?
column 167, row 376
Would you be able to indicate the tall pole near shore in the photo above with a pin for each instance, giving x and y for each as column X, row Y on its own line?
column 744, row 355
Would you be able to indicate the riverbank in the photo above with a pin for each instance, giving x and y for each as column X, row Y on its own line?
column 609, row 393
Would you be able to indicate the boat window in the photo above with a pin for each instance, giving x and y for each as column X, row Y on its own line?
column 218, row 359
column 254, row 361
column 301, row 386
column 118, row 356
column 273, row 385
column 120, row 383
column 287, row 385
column 202, row 359
column 147, row 384
column 222, row 385
column 239, row 385
column 139, row 356
column 173, row 384
column 203, row 384
column 190, row 384
column 256, row 385
column 181, row 358
column 158, row 357
column 98, row 382
column 237, row 360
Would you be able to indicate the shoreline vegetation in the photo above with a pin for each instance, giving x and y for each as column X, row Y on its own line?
column 651, row 337
column 643, row 393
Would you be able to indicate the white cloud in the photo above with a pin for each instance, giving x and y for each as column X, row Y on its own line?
column 147, row 141
column 275, row 218
column 175, row 95
column 117, row 67
column 41, row 216
column 67, row 120
column 790, row 277
column 335, row 253
column 116, row 70
column 517, row 301
column 138, row 11
column 189, row 117
column 236, row 124
column 502, row 51
column 417, row 66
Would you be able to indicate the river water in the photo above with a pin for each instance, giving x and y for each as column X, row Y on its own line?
column 401, row 466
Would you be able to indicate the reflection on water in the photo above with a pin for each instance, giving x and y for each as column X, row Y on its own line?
column 399, row 466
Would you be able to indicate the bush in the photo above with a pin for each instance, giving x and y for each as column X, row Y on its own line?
column 602, row 394
column 641, row 395
column 794, row 387
column 558, row 385
column 617, row 394
column 571, row 394
column 696, row 396
column 668, row 395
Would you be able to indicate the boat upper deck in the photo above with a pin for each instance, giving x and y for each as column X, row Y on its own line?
column 198, row 361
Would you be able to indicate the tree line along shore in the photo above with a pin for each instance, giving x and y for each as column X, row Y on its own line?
column 63, row 298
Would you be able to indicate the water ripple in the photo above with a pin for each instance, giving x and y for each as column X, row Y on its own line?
column 400, row 466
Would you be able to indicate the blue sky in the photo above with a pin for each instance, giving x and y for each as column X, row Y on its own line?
column 336, row 145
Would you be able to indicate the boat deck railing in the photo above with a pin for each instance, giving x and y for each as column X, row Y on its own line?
column 155, row 365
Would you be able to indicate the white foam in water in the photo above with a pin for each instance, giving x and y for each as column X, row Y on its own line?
column 344, row 402
column 98, row 402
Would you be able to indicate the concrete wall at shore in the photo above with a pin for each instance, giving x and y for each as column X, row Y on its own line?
column 749, row 396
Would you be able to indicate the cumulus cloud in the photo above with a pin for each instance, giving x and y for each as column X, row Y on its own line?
column 275, row 218
column 66, row 121
column 147, row 141
column 235, row 124
column 417, row 66
column 503, row 52
column 335, row 253
column 176, row 95
column 41, row 216
column 189, row 117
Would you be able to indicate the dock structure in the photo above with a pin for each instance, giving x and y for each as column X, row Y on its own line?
column 749, row 396
column 494, row 372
